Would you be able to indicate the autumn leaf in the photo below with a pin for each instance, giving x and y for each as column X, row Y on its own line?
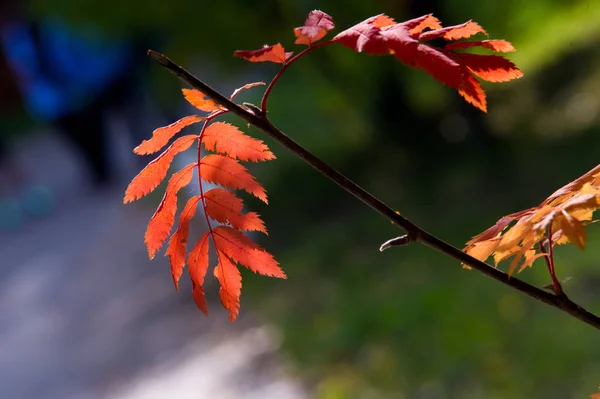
column 559, row 220
column 275, row 53
column 225, row 138
column 230, row 173
column 161, row 223
column 178, row 242
column 200, row 101
column 224, row 207
column 162, row 135
column 230, row 281
column 154, row 173
column 241, row 249
column 198, row 265
column 315, row 28
column 381, row 35
column 231, row 146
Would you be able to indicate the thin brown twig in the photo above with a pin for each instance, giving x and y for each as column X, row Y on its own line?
column 262, row 123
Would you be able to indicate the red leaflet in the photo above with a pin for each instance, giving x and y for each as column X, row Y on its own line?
column 178, row 242
column 227, row 139
column 162, row 135
column 381, row 35
column 151, row 176
column 199, row 100
column 500, row 46
column 315, row 28
column 230, row 280
column 241, row 249
column 198, row 265
column 275, row 53
column 224, row 207
column 229, row 173
column 162, row 221
column 366, row 36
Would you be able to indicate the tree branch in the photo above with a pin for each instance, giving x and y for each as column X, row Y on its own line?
column 261, row 122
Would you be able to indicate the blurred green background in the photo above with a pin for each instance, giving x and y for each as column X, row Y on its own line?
column 406, row 323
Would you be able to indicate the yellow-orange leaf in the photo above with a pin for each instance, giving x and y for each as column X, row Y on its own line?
column 229, row 173
column 572, row 229
column 230, row 280
column 178, row 241
column 198, row 265
column 154, row 173
column 482, row 250
column 242, row 250
column 162, row 135
column 200, row 101
column 161, row 223
column 224, row 207
column 227, row 139
column 564, row 215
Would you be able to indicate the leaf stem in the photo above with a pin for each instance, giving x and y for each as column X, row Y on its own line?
column 561, row 302
column 555, row 283
column 286, row 64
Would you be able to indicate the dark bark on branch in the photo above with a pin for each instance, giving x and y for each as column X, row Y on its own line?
column 261, row 122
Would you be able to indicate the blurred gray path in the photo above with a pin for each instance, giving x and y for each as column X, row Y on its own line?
column 85, row 314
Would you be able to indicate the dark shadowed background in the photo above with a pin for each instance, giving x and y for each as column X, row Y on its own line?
column 85, row 314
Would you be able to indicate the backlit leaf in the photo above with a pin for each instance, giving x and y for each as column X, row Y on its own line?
column 161, row 223
column 153, row 174
column 178, row 242
column 229, row 173
column 162, row 135
column 230, row 280
column 275, row 53
column 198, row 265
column 227, row 139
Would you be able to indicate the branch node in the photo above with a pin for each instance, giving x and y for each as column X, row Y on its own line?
column 254, row 109
column 399, row 241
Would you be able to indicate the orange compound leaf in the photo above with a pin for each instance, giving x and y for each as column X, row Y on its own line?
column 198, row 265
column 224, row 207
column 242, row 250
column 380, row 35
column 227, row 139
column 492, row 68
column 154, row 173
column 200, row 101
column 275, row 53
column 230, row 281
column 499, row 46
column 178, row 242
column 564, row 215
column 315, row 28
column 162, row 135
column 161, row 223
column 245, row 87
column 229, row 173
